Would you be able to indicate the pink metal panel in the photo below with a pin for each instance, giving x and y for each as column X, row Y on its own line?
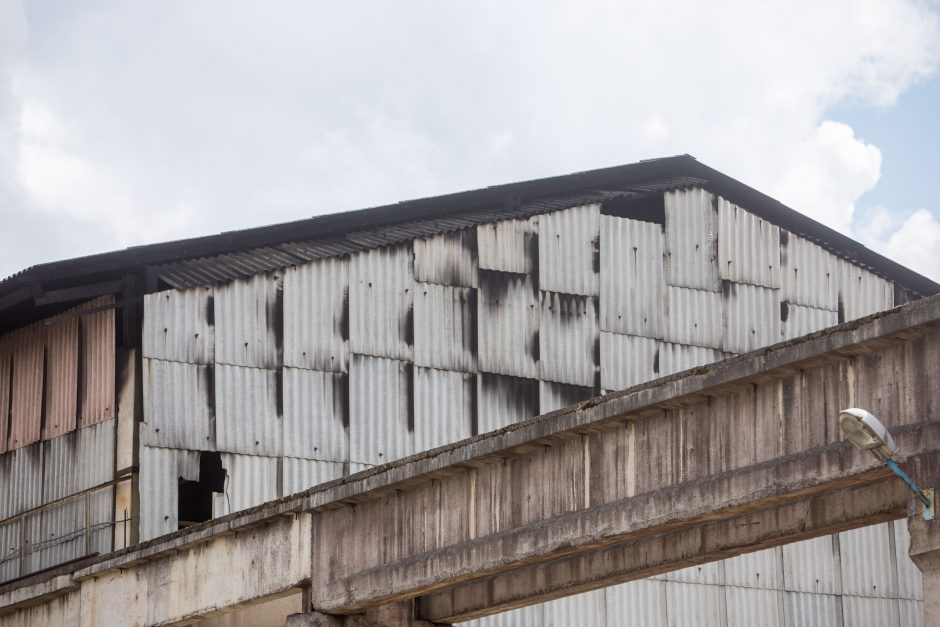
column 97, row 363
column 28, row 349
column 5, row 353
column 61, row 340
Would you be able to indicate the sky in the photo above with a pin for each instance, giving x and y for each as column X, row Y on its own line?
column 124, row 123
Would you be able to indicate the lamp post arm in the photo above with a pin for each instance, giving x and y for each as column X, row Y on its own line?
column 893, row 465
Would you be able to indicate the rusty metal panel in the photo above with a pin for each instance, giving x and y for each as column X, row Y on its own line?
column 178, row 403
column 869, row 612
column 811, row 566
column 381, row 418
column 446, row 325
column 381, row 295
column 247, row 411
column 444, row 407
column 78, row 461
column 627, row 360
column 751, row 317
column 316, row 421
column 248, row 320
column 27, row 345
column 866, row 557
column 505, row 400
column 810, row 273
column 6, row 369
column 748, row 247
column 449, row 259
column 587, row 608
column 508, row 246
column 97, row 366
column 693, row 317
column 803, row 609
column 760, row 569
column 568, row 242
column 300, row 474
column 554, row 396
column 910, row 578
column 508, row 325
column 316, row 315
column 691, row 240
column 160, row 472
column 798, row 320
column 694, row 604
column 862, row 293
column 639, row 603
column 747, row 607
column 675, row 358
column 250, row 480
column 632, row 285
column 568, row 339
column 178, row 325
column 61, row 339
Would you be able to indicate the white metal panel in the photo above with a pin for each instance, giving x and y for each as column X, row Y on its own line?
column 10, row 541
column 568, row 339
column 911, row 613
column 748, row 247
column 355, row 467
column 587, row 608
column 631, row 277
column 639, row 603
column 508, row 325
column 712, row 573
column 25, row 488
column 248, row 322
column 862, row 293
column 78, row 461
column 810, row 273
column 750, row 607
column 804, row 609
column 444, row 407
column 315, row 315
column 246, row 405
column 315, row 415
column 177, row 325
column 811, row 566
column 691, row 243
column 626, row 360
column 178, row 405
column 760, row 569
column 301, row 474
column 751, row 317
column 554, row 396
column 445, row 325
column 381, row 422
column 381, row 293
column 160, row 472
column 531, row 616
column 800, row 320
column 693, row 317
column 694, row 604
column 673, row 358
column 507, row 246
column 250, row 480
column 866, row 556
column 6, row 479
column 448, row 259
column 869, row 612
column 62, row 534
column 505, row 400
column 567, row 248
column 910, row 578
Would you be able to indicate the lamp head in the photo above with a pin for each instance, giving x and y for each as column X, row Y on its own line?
column 867, row 433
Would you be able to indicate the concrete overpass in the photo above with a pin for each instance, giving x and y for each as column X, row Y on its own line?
column 696, row 467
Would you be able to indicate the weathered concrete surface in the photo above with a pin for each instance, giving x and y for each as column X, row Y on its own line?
column 651, row 479
column 925, row 539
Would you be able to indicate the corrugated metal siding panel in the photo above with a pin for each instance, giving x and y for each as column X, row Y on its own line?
column 861, row 292
column 554, row 396
column 693, row 604
column 247, row 417
column 804, row 609
column 381, row 425
column 802, row 320
column 866, row 556
column 9, row 550
column 760, row 569
column 748, row 247
column 25, row 488
column 632, row 285
column 315, row 315
column 567, row 246
column 910, row 579
column 588, row 608
column 160, row 472
column 675, row 358
column 444, row 407
column 530, row 616
column 177, row 325
column 355, row 467
column 63, row 535
column 869, row 612
column 626, row 360
column 507, row 246
column 250, row 480
column 6, row 480
column 568, row 339
column 445, row 324
column 61, row 377
column 315, row 415
column 747, row 607
column 811, row 566
column 78, row 461
column 6, row 354
column 27, row 346
column 98, row 356
column 178, row 405
column 810, row 273
column 248, row 321
column 505, row 400
column 381, row 294
column 636, row 604
column 693, row 317
column 508, row 325
column 911, row 613
column 447, row 259
column 751, row 317
column 691, row 242
column 300, row 474
column 712, row 573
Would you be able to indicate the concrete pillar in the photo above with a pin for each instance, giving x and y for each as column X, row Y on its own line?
column 398, row 615
column 925, row 538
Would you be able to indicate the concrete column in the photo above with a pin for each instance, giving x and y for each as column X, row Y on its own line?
column 925, row 539
column 399, row 615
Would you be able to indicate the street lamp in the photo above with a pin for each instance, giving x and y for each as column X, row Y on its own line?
column 867, row 433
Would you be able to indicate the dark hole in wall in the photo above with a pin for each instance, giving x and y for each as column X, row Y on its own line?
column 195, row 497
column 784, row 310
column 210, row 310
column 651, row 208
column 841, row 310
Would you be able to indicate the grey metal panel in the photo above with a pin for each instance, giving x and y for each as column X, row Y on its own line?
column 748, row 247
column 639, row 603
column 910, row 578
column 910, row 613
column 861, row 292
column 587, row 608
column 530, row 616
column 355, row 467
column 631, row 279
column 63, row 536
column 315, row 415
column 866, row 556
column 554, row 396
column 507, row 245
column 567, row 246
column 694, row 604
column 626, row 360
column 6, row 480
column 446, row 328
column 811, row 566
column 751, row 317
column 869, row 612
column 248, row 321
column 300, row 474
column 381, row 291
column 160, row 472
column 78, row 461
column 246, row 404
column 691, row 242
column 505, row 400
column 381, row 424
column 693, row 317
column 760, row 569
column 25, row 488
column 712, row 573
column 801, row 320
column 803, row 609
column 675, row 358
column 447, row 259
column 315, row 315
column 748, row 607
column 10, row 539
column 178, row 410
column 568, row 338
column 508, row 321
column 177, row 325
column 250, row 480
column 444, row 407
column 810, row 273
